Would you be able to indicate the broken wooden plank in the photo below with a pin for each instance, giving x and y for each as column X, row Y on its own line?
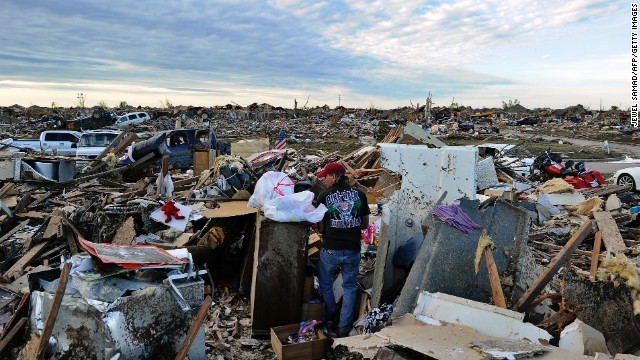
column 553, row 266
column 21, row 310
column 195, row 327
column 610, row 234
column 18, row 267
column 13, row 231
column 125, row 233
column 116, row 170
column 71, row 241
column 53, row 311
column 6, row 189
column 54, row 228
column 16, row 329
column 40, row 199
column 595, row 257
column 494, row 279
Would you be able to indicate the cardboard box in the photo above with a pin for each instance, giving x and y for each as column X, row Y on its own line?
column 501, row 193
column 306, row 350
column 312, row 312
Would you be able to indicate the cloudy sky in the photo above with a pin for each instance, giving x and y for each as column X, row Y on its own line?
column 360, row 53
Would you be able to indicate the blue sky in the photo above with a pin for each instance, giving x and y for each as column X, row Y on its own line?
column 383, row 54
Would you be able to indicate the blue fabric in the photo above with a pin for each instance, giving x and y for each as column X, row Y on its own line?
column 349, row 261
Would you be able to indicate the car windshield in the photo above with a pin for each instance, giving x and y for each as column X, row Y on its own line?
column 96, row 139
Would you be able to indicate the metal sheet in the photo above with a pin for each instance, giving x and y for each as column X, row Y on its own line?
column 426, row 175
column 446, row 260
column 148, row 324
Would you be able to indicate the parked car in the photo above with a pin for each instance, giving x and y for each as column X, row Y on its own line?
column 53, row 142
column 628, row 177
column 132, row 119
column 93, row 142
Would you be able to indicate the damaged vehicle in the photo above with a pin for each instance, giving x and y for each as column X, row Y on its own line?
column 178, row 145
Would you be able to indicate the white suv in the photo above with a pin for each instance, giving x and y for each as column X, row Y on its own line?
column 132, row 118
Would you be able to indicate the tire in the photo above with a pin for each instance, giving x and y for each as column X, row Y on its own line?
column 626, row 180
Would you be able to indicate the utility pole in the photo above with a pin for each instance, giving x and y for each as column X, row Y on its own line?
column 339, row 98
column 427, row 110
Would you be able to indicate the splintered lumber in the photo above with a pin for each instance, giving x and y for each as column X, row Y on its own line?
column 5, row 189
column 117, row 170
column 610, row 233
column 494, row 279
column 7, row 339
column 13, row 231
column 40, row 199
column 21, row 310
column 19, row 266
column 554, row 265
column 595, row 257
column 53, row 311
column 193, row 330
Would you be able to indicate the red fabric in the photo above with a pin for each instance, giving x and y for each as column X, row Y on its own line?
column 171, row 210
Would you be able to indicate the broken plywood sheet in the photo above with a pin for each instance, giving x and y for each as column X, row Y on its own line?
column 415, row 131
column 229, row 209
column 437, row 342
column 610, row 233
column 125, row 233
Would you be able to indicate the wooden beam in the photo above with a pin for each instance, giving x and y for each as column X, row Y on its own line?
column 193, row 331
column 21, row 310
column 53, row 311
column 610, row 234
column 7, row 339
column 40, row 199
column 595, row 257
column 122, row 169
column 13, row 231
column 494, row 279
column 552, row 268
column 19, row 266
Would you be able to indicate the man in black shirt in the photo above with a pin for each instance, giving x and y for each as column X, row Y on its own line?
column 347, row 214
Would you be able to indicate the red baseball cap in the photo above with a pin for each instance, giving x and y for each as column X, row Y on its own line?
column 331, row 168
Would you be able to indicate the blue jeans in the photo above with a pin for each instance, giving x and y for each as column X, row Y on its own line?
column 349, row 261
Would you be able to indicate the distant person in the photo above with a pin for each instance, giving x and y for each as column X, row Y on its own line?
column 347, row 215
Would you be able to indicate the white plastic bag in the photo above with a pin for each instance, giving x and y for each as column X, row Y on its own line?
column 294, row 208
column 271, row 185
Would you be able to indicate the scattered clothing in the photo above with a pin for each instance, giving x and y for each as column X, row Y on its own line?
column 456, row 217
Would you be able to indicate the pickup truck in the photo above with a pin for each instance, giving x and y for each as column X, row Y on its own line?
column 93, row 142
column 52, row 142
column 178, row 145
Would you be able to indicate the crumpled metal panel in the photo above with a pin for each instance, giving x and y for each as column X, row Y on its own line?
column 148, row 324
column 446, row 260
column 426, row 175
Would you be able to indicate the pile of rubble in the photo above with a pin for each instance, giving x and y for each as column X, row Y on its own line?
column 151, row 260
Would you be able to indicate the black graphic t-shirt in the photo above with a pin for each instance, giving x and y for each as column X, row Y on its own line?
column 346, row 206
